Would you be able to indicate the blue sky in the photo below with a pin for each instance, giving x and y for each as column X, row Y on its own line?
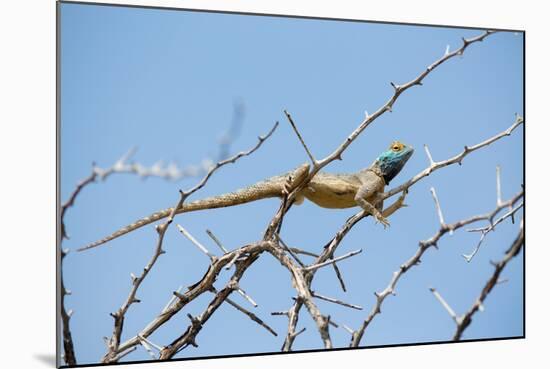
column 166, row 82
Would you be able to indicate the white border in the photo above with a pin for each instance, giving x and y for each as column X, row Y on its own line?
column 27, row 152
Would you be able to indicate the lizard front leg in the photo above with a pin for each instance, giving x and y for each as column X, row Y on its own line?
column 367, row 191
column 398, row 204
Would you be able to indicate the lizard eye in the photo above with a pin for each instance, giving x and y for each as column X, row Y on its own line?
column 396, row 148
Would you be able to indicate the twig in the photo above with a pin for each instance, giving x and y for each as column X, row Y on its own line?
column 124, row 353
column 251, row 315
column 289, row 250
column 499, row 191
column 438, row 207
column 303, row 252
column 196, row 243
column 147, row 348
column 445, row 305
column 285, row 313
column 236, row 255
column 429, row 155
column 339, row 276
column 320, row 265
column 157, row 347
column 216, row 241
column 336, row 301
column 293, row 315
column 244, row 294
column 172, row 299
column 510, row 253
column 311, row 157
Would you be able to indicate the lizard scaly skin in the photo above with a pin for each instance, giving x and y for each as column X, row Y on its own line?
column 334, row 191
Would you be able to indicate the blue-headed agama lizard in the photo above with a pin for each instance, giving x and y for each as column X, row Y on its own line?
column 333, row 191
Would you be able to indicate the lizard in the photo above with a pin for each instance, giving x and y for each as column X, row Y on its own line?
column 327, row 190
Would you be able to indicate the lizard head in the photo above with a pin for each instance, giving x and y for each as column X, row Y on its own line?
column 391, row 161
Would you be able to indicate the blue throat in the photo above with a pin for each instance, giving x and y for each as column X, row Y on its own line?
column 390, row 163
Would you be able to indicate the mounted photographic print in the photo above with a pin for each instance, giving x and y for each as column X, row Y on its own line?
column 247, row 184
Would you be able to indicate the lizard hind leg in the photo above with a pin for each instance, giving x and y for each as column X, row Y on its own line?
column 294, row 179
column 299, row 200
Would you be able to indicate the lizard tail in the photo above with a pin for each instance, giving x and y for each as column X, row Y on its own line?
column 261, row 190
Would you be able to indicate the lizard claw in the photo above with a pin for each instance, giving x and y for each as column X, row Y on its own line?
column 382, row 220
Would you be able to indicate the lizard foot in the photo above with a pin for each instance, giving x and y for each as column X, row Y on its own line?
column 401, row 199
column 380, row 218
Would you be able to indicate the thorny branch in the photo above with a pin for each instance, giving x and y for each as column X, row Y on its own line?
column 423, row 246
column 122, row 166
column 337, row 154
column 457, row 159
column 301, row 274
column 466, row 319
column 120, row 314
column 117, row 348
column 329, row 249
column 462, row 322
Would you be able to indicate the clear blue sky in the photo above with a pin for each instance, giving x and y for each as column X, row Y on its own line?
column 165, row 81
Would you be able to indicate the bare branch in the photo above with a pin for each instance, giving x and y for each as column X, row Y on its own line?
column 251, row 315
column 311, row 157
column 499, row 192
column 304, row 297
column 415, row 260
column 196, row 243
column 123, row 354
column 438, row 207
column 398, row 90
column 119, row 316
column 172, row 299
column 115, row 347
column 216, row 241
column 188, row 337
column 248, row 298
column 336, row 301
column 301, row 276
column 289, row 250
column 445, row 305
column 429, row 155
column 325, row 263
column 68, row 347
column 491, row 283
column 204, row 285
